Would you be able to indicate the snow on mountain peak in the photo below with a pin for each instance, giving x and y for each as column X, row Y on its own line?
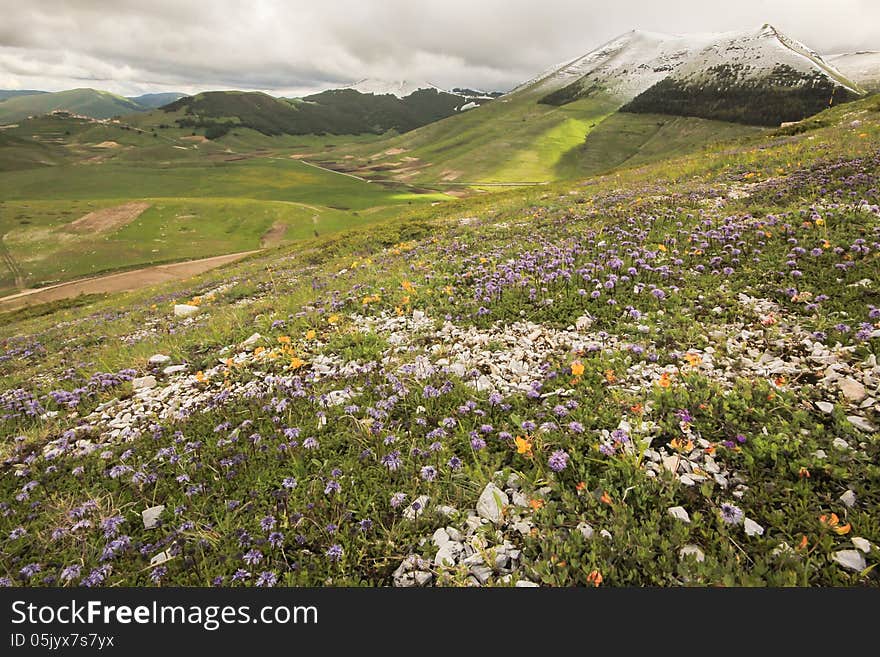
column 399, row 88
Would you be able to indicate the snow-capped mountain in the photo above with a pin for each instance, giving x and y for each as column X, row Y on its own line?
column 622, row 67
column 753, row 57
column 863, row 68
column 399, row 88
column 634, row 62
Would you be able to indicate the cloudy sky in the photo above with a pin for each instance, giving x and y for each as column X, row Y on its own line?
column 292, row 47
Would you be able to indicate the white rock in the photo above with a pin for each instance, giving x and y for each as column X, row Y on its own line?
column 851, row 559
column 691, row 551
column 143, row 382
column 861, row 423
column 852, row 389
column 482, row 573
column 840, row 443
column 492, row 502
column 440, row 537
column 160, row 558
column 173, row 369
column 752, row 528
column 159, row 359
column 454, row 534
column 185, row 310
column 848, row 498
column 526, row 584
column 448, row 511
column 825, row 407
column 679, row 513
column 687, row 480
column 862, row 544
column 423, row 578
column 251, row 341
column 411, row 513
column 448, row 554
column 151, row 516
column 585, row 530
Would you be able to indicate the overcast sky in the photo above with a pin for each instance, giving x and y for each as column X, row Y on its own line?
column 292, row 47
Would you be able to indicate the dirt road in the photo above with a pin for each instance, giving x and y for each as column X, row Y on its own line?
column 120, row 282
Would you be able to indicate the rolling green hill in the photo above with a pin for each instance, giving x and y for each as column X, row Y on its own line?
column 5, row 94
column 339, row 111
column 154, row 101
column 88, row 102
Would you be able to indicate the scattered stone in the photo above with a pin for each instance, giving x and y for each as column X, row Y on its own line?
column 482, row 573
column 160, row 558
column 840, row 443
column 691, row 551
column 448, row 511
column 151, row 516
column 825, row 407
column 448, row 554
column 848, row 498
column 752, row 528
column 159, row 359
column 417, row 508
column 525, row 584
column 492, row 502
column 852, row 390
column 860, row 423
column 454, row 534
column 143, row 382
column 585, row 530
column 251, row 341
column 423, row 578
column 440, row 537
column 185, row 310
column 679, row 513
column 851, row 560
column 173, row 369
column 862, row 544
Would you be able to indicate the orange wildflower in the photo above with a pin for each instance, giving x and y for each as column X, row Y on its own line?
column 610, row 377
column 580, row 486
column 605, row 498
column 803, row 473
column 523, row 446
column 310, row 334
column 594, row 578
column 536, row 504
column 577, row 368
column 664, row 381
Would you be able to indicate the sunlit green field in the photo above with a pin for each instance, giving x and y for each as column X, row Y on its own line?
column 204, row 198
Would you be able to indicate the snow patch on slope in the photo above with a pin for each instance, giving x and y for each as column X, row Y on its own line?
column 399, row 88
column 863, row 68
column 753, row 56
column 625, row 66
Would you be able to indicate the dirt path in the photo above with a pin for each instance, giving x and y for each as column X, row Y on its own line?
column 340, row 173
column 120, row 282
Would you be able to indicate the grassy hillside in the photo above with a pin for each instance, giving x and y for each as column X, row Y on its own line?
column 338, row 112
column 154, row 101
column 668, row 375
column 628, row 140
column 786, row 96
column 202, row 198
column 88, row 102
column 13, row 93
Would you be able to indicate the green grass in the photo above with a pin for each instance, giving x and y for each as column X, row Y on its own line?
column 289, row 291
column 206, row 198
column 625, row 140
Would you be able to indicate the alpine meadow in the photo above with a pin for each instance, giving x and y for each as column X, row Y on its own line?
column 615, row 325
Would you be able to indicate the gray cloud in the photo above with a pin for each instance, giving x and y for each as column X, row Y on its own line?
column 297, row 46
